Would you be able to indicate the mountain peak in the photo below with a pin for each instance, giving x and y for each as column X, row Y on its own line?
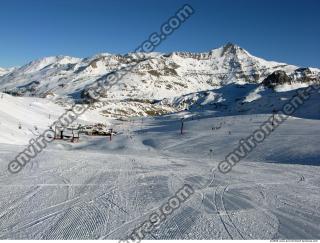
column 157, row 76
column 230, row 48
column 230, row 44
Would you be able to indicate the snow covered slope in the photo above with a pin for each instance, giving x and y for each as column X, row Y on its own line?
column 155, row 77
column 4, row 71
column 101, row 189
column 234, row 99
column 23, row 118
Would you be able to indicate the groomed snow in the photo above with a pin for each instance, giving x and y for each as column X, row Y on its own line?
column 101, row 189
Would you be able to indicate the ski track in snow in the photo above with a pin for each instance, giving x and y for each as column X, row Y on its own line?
column 99, row 189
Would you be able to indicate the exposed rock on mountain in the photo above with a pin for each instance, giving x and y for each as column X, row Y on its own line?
column 277, row 78
column 154, row 76
column 300, row 75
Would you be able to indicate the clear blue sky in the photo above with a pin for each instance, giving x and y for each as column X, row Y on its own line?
column 287, row 30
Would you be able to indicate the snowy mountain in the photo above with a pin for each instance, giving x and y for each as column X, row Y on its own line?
column 4, row 71
column 155, row 78
column 102, row 187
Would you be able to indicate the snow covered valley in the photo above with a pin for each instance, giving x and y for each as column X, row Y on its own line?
column 132, row 160
column 102, row 189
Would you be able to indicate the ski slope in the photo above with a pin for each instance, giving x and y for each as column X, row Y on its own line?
column 101, row 189
column 22, row 118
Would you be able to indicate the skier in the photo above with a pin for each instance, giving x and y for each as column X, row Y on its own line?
column 181, row 129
